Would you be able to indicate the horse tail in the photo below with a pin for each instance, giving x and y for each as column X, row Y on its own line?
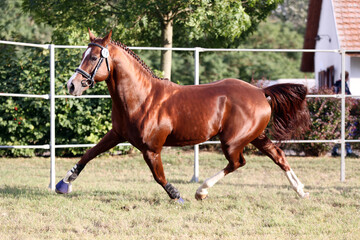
column 290, row 115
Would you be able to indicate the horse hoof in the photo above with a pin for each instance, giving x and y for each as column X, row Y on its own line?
column 306, row 196
column 199, row 196
column 63, row 187
column 180, row 200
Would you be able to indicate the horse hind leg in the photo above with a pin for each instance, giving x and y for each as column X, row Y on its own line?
column 236, row 160
column 264, row 144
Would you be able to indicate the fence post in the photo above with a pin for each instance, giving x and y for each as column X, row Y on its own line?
column 342, row 161
column 52, row 117
column 195, row 178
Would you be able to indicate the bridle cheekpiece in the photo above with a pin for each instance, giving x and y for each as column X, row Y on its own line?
column 89, row 81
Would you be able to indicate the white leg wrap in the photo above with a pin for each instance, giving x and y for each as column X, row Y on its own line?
column 296, row 184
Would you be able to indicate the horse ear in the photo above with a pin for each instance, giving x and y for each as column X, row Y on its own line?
column 91, row 36
column 107, row 38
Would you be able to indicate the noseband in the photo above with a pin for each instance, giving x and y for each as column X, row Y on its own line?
column 104, row 54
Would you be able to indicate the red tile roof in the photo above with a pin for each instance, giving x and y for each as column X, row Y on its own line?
column 347, row 17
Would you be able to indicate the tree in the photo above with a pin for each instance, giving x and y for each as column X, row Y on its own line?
column 294, row 11
column 257, row 65
column 17, row 26
column 206, row 23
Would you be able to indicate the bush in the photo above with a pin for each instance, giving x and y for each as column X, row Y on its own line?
column 26, row 121
column 326, row 123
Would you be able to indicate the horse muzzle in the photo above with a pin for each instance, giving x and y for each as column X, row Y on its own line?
column 76, row 87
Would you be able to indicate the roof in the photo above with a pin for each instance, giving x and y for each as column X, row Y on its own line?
column 312, row 26
column 347, row 17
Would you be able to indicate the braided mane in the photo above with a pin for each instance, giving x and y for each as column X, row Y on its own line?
column 138, row 59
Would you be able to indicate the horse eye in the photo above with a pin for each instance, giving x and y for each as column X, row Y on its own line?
column 93, row 58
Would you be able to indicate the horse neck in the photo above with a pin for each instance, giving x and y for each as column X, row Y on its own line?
column 130, row 83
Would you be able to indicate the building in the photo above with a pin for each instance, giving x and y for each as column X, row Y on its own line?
column 333, row 24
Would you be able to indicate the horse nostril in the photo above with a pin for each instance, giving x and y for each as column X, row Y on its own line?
column 72, row 88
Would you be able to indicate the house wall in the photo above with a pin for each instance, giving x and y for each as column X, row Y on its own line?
column 354, row 83
column 327, row 31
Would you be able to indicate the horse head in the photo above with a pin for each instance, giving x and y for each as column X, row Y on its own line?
column 91, row 69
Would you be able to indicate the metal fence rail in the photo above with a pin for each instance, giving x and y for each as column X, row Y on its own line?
column 52, row 97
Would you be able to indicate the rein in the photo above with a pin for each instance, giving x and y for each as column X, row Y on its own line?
column 104, row 54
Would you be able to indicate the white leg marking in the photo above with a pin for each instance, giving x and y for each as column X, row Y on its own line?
column 296, row 184
column 202, row 192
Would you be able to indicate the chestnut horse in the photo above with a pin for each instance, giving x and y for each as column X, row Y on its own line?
column 150, row 113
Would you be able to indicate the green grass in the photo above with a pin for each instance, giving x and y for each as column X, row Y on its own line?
column 117, row 198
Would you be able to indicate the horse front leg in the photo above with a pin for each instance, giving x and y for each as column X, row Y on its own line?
column 153, row 160
column 264, row 144
column 110, row 140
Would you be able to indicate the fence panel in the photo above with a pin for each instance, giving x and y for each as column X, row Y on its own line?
column 52, row 98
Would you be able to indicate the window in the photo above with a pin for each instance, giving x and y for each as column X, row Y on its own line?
column 326, row 78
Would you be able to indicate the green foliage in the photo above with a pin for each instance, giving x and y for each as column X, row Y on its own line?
column 15, row 25
column 295, row 12
column 206, row 23
column 220, row 23
column 243, row 65
column 257, row 65
column 24, row 121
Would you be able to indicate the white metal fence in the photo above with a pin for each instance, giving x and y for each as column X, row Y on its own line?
column 52, row 97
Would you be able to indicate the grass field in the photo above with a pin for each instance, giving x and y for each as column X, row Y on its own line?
column 117, row 198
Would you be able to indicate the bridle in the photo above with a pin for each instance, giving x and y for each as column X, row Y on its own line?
column 89, row 81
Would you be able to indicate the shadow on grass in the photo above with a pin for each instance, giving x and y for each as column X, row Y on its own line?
column 349, row 191
column 29, row 192
column 103, row 196
column 23, row 191
column 128, row 196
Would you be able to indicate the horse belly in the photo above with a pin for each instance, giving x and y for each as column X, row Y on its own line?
column 195, row 126
column 189, row 136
